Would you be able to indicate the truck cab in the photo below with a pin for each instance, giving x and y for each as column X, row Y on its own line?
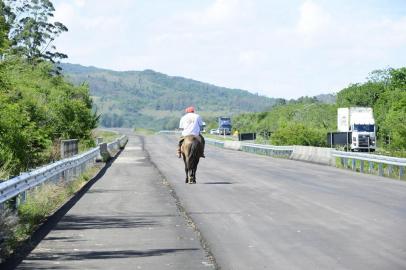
column 360, row 122
column 363, row 137
column 224, row 125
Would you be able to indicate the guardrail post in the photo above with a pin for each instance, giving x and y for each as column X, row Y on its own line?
column 401, row 172
column 371, row 167
column 20, row 199
column 390, row 170
column 69, row 148
column 354, row 164
column 380, row 169
column 23, row 197
column 361, row 166
column 99, row 140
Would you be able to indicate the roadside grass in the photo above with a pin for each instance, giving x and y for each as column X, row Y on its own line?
column 144, row 131
column 391, row 153
column 41, row 202
column 220, row 137
column 108, row 136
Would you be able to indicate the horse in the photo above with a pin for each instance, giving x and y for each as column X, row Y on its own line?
column 192, row 150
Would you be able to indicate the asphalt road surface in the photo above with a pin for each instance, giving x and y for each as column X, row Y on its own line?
column 128, row 219
column 257, row 212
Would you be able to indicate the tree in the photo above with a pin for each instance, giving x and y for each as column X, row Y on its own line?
column 294, row 133
column 31, row 32
column 36, row 109
column 380, row 75
column 4, row 28
column 365, row 95
column 398, row 78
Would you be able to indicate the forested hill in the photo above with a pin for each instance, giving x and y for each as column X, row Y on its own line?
column 155, row 100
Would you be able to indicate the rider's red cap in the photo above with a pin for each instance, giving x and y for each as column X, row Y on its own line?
column 190, row 109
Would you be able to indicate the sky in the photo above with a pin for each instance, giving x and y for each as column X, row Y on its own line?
column 275, row 48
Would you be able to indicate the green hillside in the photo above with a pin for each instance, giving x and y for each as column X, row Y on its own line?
column 307, row 120
column 154, row 100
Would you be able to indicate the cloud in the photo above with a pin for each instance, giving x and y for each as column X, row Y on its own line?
column 65, row 13
column 251, row 58
column 313, row 19
column 218, row 13
column 226, row 10
column 80, row 3
column 278, row 48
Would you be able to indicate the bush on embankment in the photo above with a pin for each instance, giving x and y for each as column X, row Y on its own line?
column 38, row 108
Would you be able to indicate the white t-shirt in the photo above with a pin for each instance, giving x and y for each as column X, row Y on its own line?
column 191, row 123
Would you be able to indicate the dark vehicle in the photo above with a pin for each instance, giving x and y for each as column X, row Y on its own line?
column 224, row 125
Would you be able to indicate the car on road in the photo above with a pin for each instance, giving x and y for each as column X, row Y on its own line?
column 214, row 131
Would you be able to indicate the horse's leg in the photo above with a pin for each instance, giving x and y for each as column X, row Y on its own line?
column 186, row 170
column 187, row 174
column 190, row 176
column 193, row 176
column 194, row 171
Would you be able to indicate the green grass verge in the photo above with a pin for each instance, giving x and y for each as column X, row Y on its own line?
column 144, row 131
column 108, row 136
column 219, row 137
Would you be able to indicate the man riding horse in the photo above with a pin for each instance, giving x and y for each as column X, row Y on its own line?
column 191, row 124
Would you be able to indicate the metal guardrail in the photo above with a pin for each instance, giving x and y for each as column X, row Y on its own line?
column 63, row 170
column 171, row 132
column 214, row 142
column 268, row 150
column 383, row 164
column 117, row 143
column 360, row 158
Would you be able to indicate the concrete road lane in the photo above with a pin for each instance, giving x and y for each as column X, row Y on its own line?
column 257, row 212
column 127, row 220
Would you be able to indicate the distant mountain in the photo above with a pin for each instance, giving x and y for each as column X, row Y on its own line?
column 154, row 100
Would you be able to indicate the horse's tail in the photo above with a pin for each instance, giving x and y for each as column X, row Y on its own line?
column 194, row 154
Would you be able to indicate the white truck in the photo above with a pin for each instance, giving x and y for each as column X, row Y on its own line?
column 361, row 123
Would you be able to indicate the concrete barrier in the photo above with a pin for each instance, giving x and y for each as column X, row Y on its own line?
column 105, row 154
column 313, row 154
column 232, row 145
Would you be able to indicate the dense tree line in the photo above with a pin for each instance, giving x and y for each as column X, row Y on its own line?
column 38, row 106
column 306, row 120
column 385, row 92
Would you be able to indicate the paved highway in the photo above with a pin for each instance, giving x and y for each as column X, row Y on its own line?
column 257, row 212
column 126, row 220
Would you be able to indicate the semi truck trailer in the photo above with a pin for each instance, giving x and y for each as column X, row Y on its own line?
column 360, row 122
